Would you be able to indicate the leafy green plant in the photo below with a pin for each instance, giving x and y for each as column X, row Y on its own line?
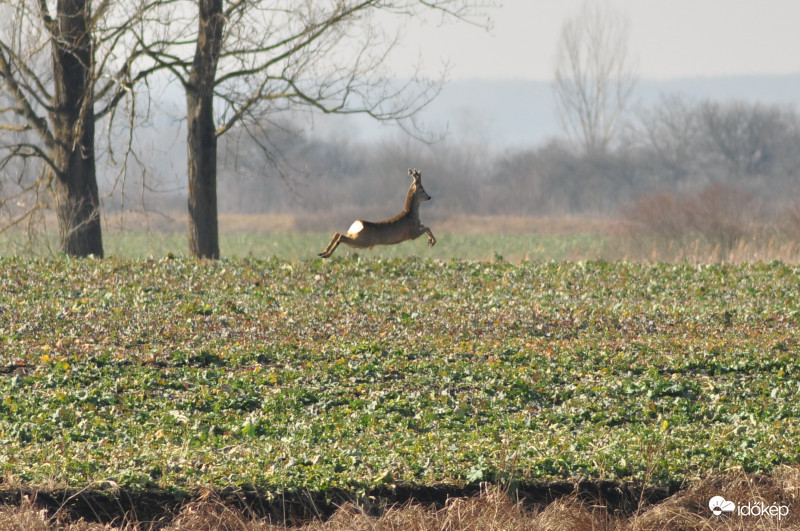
column 361, row 373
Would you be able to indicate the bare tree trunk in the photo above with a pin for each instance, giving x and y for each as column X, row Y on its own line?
column 202, row 138
column 75, row 186
column 202, row 153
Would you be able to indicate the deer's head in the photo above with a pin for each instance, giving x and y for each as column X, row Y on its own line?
column 416, row 186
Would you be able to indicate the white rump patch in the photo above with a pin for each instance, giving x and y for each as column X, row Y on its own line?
column 356, row 227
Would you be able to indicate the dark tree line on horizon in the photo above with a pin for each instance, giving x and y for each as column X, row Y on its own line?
column 679, row 145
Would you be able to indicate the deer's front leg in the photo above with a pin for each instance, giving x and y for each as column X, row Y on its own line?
column 431, row 239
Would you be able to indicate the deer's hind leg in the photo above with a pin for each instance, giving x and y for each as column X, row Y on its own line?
column 331, row 246
column 335, row 241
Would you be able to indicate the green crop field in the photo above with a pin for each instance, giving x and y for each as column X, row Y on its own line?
column 357, row 373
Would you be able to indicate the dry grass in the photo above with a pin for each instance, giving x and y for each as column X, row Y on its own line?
column 29, row 516
column 561, row 225
column 717, row 225
column 688, row 509
column 178, row 222
column 285, row 223
column 491, row 510
column 699, row 250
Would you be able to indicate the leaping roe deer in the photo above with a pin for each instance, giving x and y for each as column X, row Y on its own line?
column 404, row 226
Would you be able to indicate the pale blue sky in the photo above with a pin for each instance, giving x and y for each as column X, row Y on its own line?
column 669, row 38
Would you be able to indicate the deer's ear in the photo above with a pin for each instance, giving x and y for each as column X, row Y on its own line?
column 410, row 172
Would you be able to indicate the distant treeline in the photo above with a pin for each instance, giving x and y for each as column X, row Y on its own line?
column 746, row 155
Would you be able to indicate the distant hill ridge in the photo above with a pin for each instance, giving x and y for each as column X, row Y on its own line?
column 518, row 112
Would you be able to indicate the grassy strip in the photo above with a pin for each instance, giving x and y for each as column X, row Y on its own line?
column 306, row 245
column 351, row 374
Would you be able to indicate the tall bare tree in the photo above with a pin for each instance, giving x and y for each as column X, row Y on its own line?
column 249, row 59
column 63, row 66
column 594, row 75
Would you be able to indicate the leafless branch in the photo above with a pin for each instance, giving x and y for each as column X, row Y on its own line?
column 23, row 107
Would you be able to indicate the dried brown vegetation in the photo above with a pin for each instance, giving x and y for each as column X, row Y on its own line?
column 720, row 223
column 491, row 509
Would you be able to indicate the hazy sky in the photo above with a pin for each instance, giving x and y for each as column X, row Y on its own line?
column 669, row 39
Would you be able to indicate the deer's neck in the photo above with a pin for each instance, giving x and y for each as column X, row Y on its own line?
column 412, row 204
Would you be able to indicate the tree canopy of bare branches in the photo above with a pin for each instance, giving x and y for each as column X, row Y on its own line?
column 594, row 77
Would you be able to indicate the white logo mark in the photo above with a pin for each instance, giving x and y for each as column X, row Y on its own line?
column 718, row 505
